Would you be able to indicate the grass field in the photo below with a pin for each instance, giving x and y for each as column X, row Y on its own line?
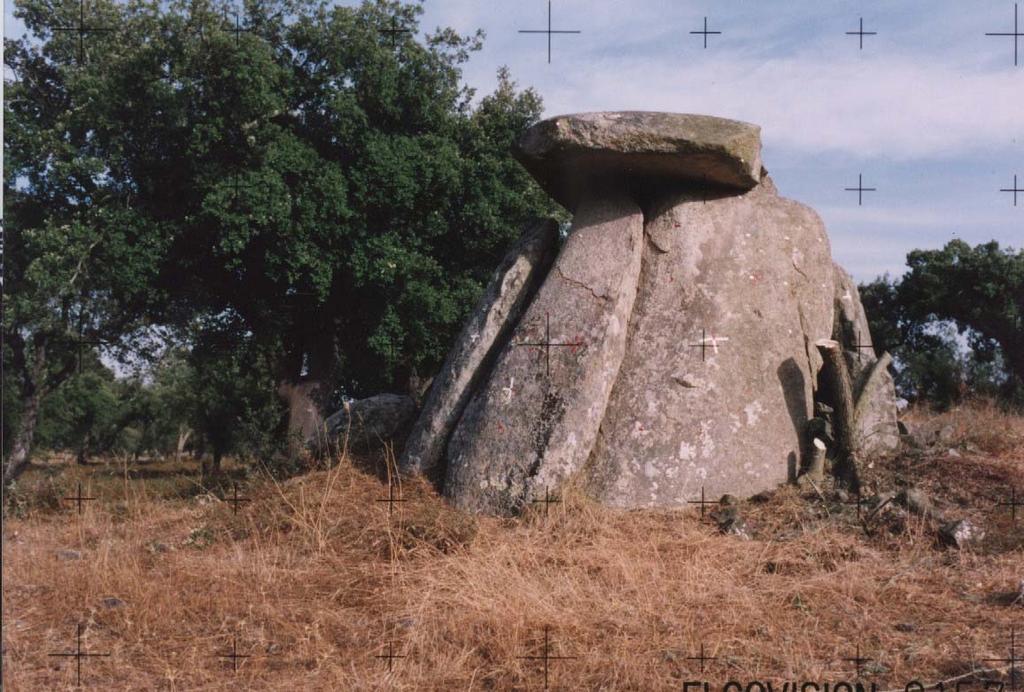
column 313, row 578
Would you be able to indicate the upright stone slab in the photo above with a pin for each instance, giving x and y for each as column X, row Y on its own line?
column 717, row 383
column 533, row 423
column 851, row 326
column 487, row 329
column 877, row 432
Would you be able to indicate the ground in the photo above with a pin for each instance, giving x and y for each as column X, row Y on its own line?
column 315, row 579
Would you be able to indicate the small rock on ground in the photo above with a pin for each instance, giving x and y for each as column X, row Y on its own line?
column 960, row 533
column 918, row 502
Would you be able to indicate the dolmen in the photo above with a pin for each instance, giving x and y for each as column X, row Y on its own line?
column 664, row 351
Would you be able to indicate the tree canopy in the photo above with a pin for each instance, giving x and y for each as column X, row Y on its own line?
column 297, row 181
column 977, row 293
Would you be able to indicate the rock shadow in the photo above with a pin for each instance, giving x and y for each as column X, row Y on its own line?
column 791, row 377
column 655, row 196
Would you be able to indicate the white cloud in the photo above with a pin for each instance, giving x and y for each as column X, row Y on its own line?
column 909, row 218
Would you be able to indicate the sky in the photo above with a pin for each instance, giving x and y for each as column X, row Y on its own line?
column 930, row 112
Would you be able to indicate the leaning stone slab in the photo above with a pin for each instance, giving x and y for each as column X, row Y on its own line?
column 487, row 329
column 716, row 387
column 533, row 424
column 568, row 154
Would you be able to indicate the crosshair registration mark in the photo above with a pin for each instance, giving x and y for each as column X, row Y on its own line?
column 707, row 342
column 1016, row 34
column 78, row 655
column 394, row 32
column 547, row 343
column 705, row 33
column 1015, row 190
column 547, row 657
column 860, row 189
column 234, row 656
column 861, row 33
column 79, row 498
column 549, row 31
column 82, row 29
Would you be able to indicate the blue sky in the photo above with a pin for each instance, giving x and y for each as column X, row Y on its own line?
column 931, row 111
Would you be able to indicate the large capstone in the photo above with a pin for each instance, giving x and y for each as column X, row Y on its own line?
column 669, row 352
column 572, row 154
column 366, row 424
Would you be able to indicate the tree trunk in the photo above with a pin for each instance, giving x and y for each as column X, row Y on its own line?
column 183, row 434
column 211, row 469
column 306, row 377
column 1015, row 356
column 17, row 462
column 815, row 468
column 305, row 420
column 844, row 423
column 32, row 394
column 82, row 458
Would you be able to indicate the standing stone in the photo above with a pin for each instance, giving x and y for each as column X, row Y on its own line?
column 749, row 276
column 534, row 423
column 305, row 422
column 851, row 326
column 877, row 430
column 486, row 331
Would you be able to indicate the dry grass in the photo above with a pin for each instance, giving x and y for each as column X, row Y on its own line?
column 982, row 424
column 312, row 578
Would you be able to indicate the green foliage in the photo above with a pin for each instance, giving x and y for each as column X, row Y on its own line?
column 10, row 388
column 170, row 407
column 232, row 402
column 43, row 494
column 980, row 288
column 307, row 168
column 325, row 198
column 86, row 415
column 954, row 322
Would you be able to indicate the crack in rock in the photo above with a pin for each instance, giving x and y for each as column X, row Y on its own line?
column 574, row 282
